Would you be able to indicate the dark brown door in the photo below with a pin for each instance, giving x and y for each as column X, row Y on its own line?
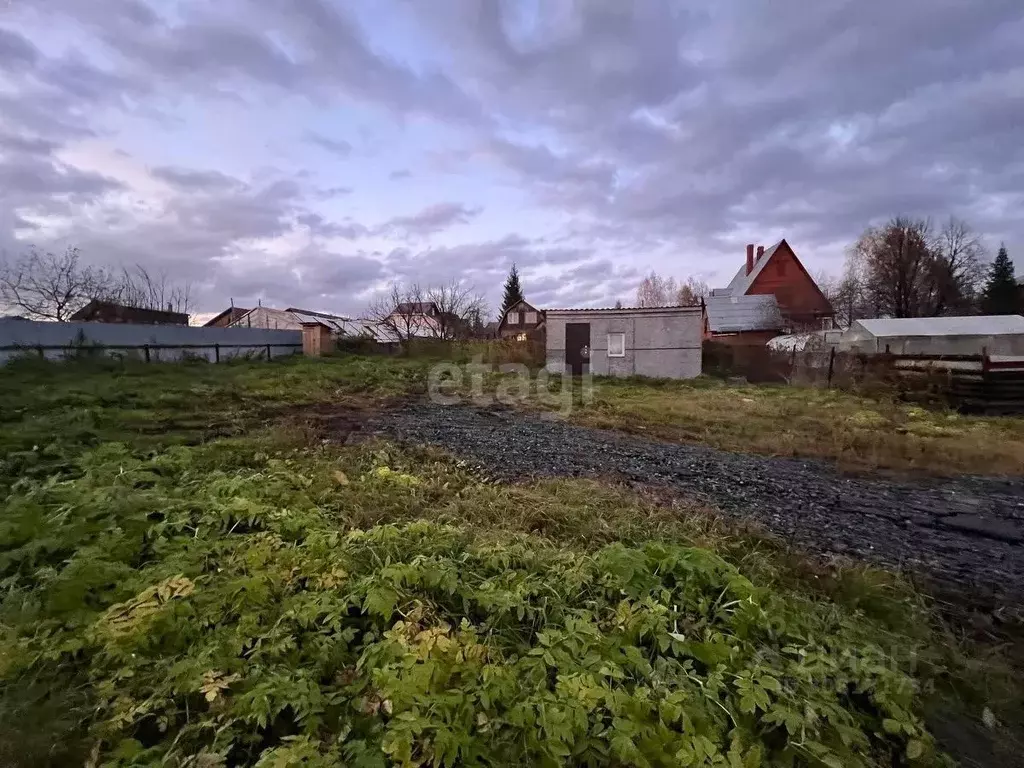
column 577, row 346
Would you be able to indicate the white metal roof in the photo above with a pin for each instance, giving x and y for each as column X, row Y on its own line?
column 743, row 313
column 672, row 310
column 974, row 325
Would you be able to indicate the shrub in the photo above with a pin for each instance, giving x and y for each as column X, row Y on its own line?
column 202, row 606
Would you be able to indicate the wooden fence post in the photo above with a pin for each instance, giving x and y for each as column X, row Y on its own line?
column 216, row 353
column 42, row 354
column 268, row 352
column 145, row 348
column 831, row 366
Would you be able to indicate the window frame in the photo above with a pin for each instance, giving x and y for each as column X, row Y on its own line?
column 621, row 335
column 527, row 320
column 512, row 318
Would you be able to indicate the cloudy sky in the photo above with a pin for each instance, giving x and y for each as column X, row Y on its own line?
column 308, row 152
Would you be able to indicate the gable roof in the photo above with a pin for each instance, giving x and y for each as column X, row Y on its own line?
column 973, row 325
column 521, row 302
column 732, row 314
column 129, row 314
column 415, row 308
column 741, row 283
column 232, row 313
column 334, row 322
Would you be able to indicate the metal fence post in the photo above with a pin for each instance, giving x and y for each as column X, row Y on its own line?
column 268, row 352
column 216, row 353
column 831, row 366
column 42, row 354
column 145, row 348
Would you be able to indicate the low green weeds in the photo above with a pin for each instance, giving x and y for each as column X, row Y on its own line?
column 185, row 580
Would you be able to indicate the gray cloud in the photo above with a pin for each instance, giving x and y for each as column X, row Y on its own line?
column 28, row 176
column 650, row 134
column 718, row 124
column 190, row 180
column 338, row 147
column 430, row 220
column 319, row 226
column 312, row 48
column 329, row 192
column 15, row 51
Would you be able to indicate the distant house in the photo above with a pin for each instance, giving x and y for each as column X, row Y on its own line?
column 108, row 312
column 424, row 320
column 799, row 304
column 225, row 318
column 521, row 321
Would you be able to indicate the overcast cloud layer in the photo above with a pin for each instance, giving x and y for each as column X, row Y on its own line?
column 308, row 152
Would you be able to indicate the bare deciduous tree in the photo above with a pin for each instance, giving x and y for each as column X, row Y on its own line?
column 656, row 291
column 138, row 287
column 958, row 268
column 691, row 291
column 50, row 286
column 396, row 313
column 457, row 306
column 905, row 269
column 53, row 286
column 445, row 312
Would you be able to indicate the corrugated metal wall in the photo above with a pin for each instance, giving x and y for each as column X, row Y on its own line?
column 165, row 342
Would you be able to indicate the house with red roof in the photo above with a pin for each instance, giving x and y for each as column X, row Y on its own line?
column 772, row 293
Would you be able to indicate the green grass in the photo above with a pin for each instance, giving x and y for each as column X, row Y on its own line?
column 187, row 579
column 857, row 432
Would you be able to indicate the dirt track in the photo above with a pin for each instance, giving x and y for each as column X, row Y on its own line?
column 967, row 533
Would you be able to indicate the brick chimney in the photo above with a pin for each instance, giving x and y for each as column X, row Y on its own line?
column 760, row 252
column 750, row 258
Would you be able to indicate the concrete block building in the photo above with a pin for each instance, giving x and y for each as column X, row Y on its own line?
column 663, row 342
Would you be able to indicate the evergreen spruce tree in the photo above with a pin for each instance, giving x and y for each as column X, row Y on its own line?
column 513, row 290
column 1001, row 294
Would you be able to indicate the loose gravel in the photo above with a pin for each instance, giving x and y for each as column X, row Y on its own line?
column 966, row 532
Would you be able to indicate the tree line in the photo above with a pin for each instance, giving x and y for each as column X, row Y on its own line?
column 906, row 267
column 41, row 285
column 909, row 268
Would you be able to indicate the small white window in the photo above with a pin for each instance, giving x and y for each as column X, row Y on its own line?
column 513, row 318
column 616, row 345
column 530, row 318
column 826, row 323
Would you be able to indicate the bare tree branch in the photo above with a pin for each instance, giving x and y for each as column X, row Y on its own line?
column 49, row 286
column 447, row 312
column 656, row 291
column 905, row 269
column 138, row 287
column 958, row 269
column 691, row 291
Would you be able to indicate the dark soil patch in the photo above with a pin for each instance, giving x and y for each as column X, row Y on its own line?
column 336, row 422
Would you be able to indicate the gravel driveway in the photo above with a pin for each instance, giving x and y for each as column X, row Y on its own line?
column 966, row 532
